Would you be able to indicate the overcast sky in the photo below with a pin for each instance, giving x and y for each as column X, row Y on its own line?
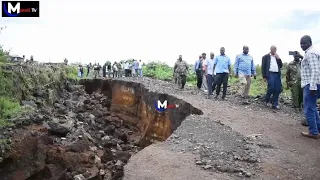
column 100, row 30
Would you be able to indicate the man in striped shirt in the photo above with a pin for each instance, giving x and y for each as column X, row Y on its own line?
column 310, row 82
column 244, row 68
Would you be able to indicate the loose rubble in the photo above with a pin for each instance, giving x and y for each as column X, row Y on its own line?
column 77, row 138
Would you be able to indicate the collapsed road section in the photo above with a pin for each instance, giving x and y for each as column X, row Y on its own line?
column 90, row 132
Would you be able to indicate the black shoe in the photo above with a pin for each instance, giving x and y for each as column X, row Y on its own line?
column 276, row 107
column 223, row 98
column 304, row 122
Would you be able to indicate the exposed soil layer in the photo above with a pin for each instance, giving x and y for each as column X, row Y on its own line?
column 84, row 136
column 226, row 138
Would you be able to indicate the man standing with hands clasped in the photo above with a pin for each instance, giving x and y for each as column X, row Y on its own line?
column 271, row 72
column 310, row 82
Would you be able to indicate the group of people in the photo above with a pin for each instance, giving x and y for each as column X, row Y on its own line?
column 128, row 69
column 302, row 77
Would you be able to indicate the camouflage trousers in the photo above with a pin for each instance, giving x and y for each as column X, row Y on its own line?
column 297, row 95
column 175, row 77
column 96, row 73
column 182, row 79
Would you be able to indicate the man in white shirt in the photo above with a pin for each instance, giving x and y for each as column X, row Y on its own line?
column 140, row 68
column 126, row 69
column 208, row 68
column 204, row 77
column 271, row 73
column 310, row 82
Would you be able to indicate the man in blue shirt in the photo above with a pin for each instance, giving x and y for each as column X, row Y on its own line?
column 244, row 69
column 222, row 67
column 208, row 64
column 136, row 67
column 198, row 71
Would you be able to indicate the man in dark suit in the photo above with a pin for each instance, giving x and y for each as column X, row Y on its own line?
column 271, row 73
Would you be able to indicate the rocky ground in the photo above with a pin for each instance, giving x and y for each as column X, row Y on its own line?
column 79, row 138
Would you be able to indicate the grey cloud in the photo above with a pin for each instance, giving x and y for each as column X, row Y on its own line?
column 298, row 20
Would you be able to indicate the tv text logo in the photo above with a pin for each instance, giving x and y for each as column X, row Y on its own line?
column 162, row 106
column 20, row 9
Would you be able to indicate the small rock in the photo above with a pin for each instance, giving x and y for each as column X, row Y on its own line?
column 119, row 147
column 57, row 105
column 119, row 163
column 94, row 148
column 60, row 129
column 106, row 138
column 79, row 177
column 110, row 130
column 247, row 174
column 97, row 160
column 101, row 172
column 91, row 116
column 68, row 103
column 207, row 167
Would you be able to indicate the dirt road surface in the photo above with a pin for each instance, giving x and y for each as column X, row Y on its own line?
column 231, row 140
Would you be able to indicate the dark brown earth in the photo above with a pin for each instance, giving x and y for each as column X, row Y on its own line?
column 93, row 136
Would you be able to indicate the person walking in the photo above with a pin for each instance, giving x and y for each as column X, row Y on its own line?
column 79, row 71
column 204, row 77
column 115, row 70
column 136, row 67
column 271, row 72
column 120, row 69
column 126, row 69
column 104, row 70
column 96, row 69
column 89, row 66
column 222, row 68
column 198, row 71
column 209, row 73
column 175, row 74
column 109, row 69
column 244, row 69
column 140, row 69
column 310, row 82
column 181, row 68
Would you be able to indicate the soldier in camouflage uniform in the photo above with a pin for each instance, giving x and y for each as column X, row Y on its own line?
column 293, row 80
column 181, row 68
column 175, row 75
